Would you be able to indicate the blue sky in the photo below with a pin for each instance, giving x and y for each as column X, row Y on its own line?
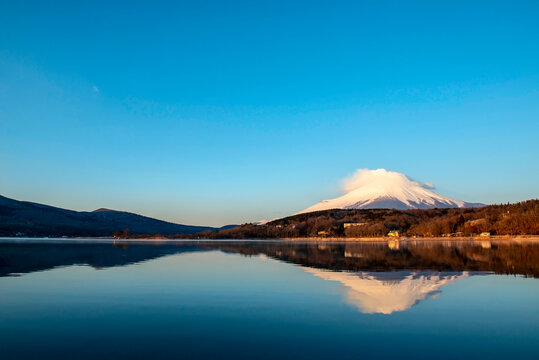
column 226, row 112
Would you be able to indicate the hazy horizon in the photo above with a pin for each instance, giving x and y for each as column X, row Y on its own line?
column 214, row 114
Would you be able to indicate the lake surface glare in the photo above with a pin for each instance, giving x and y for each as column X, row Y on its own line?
column 67, row 299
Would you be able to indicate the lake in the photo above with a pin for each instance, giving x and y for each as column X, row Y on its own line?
column 100, row 298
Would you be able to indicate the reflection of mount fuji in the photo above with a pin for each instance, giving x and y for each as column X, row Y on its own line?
column 387, row 292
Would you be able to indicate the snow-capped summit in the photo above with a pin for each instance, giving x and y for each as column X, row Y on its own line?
column 383, row 189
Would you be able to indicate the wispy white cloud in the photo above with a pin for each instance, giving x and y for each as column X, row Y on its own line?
column 95, row 89
column 429, row 185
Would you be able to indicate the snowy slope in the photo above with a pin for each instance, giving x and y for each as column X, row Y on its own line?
column 376, row 189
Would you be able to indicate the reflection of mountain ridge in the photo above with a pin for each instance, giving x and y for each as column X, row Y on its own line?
column 390, row 291
column 18, row 258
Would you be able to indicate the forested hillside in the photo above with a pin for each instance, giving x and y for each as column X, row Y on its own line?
column 510, row 219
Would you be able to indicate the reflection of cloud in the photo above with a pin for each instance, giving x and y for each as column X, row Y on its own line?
column 390, row 291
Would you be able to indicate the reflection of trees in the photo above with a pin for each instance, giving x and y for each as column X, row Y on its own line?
column 499, row 258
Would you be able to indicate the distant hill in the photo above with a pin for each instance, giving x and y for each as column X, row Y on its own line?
column 24, row 218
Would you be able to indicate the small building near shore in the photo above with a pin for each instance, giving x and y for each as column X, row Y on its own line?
column 393, row 233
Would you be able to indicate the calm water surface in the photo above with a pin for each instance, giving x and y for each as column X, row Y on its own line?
column 255, row 300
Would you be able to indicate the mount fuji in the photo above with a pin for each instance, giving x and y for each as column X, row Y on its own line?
column 383, row 189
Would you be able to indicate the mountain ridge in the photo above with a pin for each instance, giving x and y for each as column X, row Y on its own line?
column 34, row 219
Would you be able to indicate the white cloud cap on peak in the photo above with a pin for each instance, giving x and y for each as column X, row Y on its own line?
column 364, row 177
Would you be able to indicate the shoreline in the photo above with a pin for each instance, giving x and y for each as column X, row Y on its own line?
column 494, row 238
column 386, row 239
